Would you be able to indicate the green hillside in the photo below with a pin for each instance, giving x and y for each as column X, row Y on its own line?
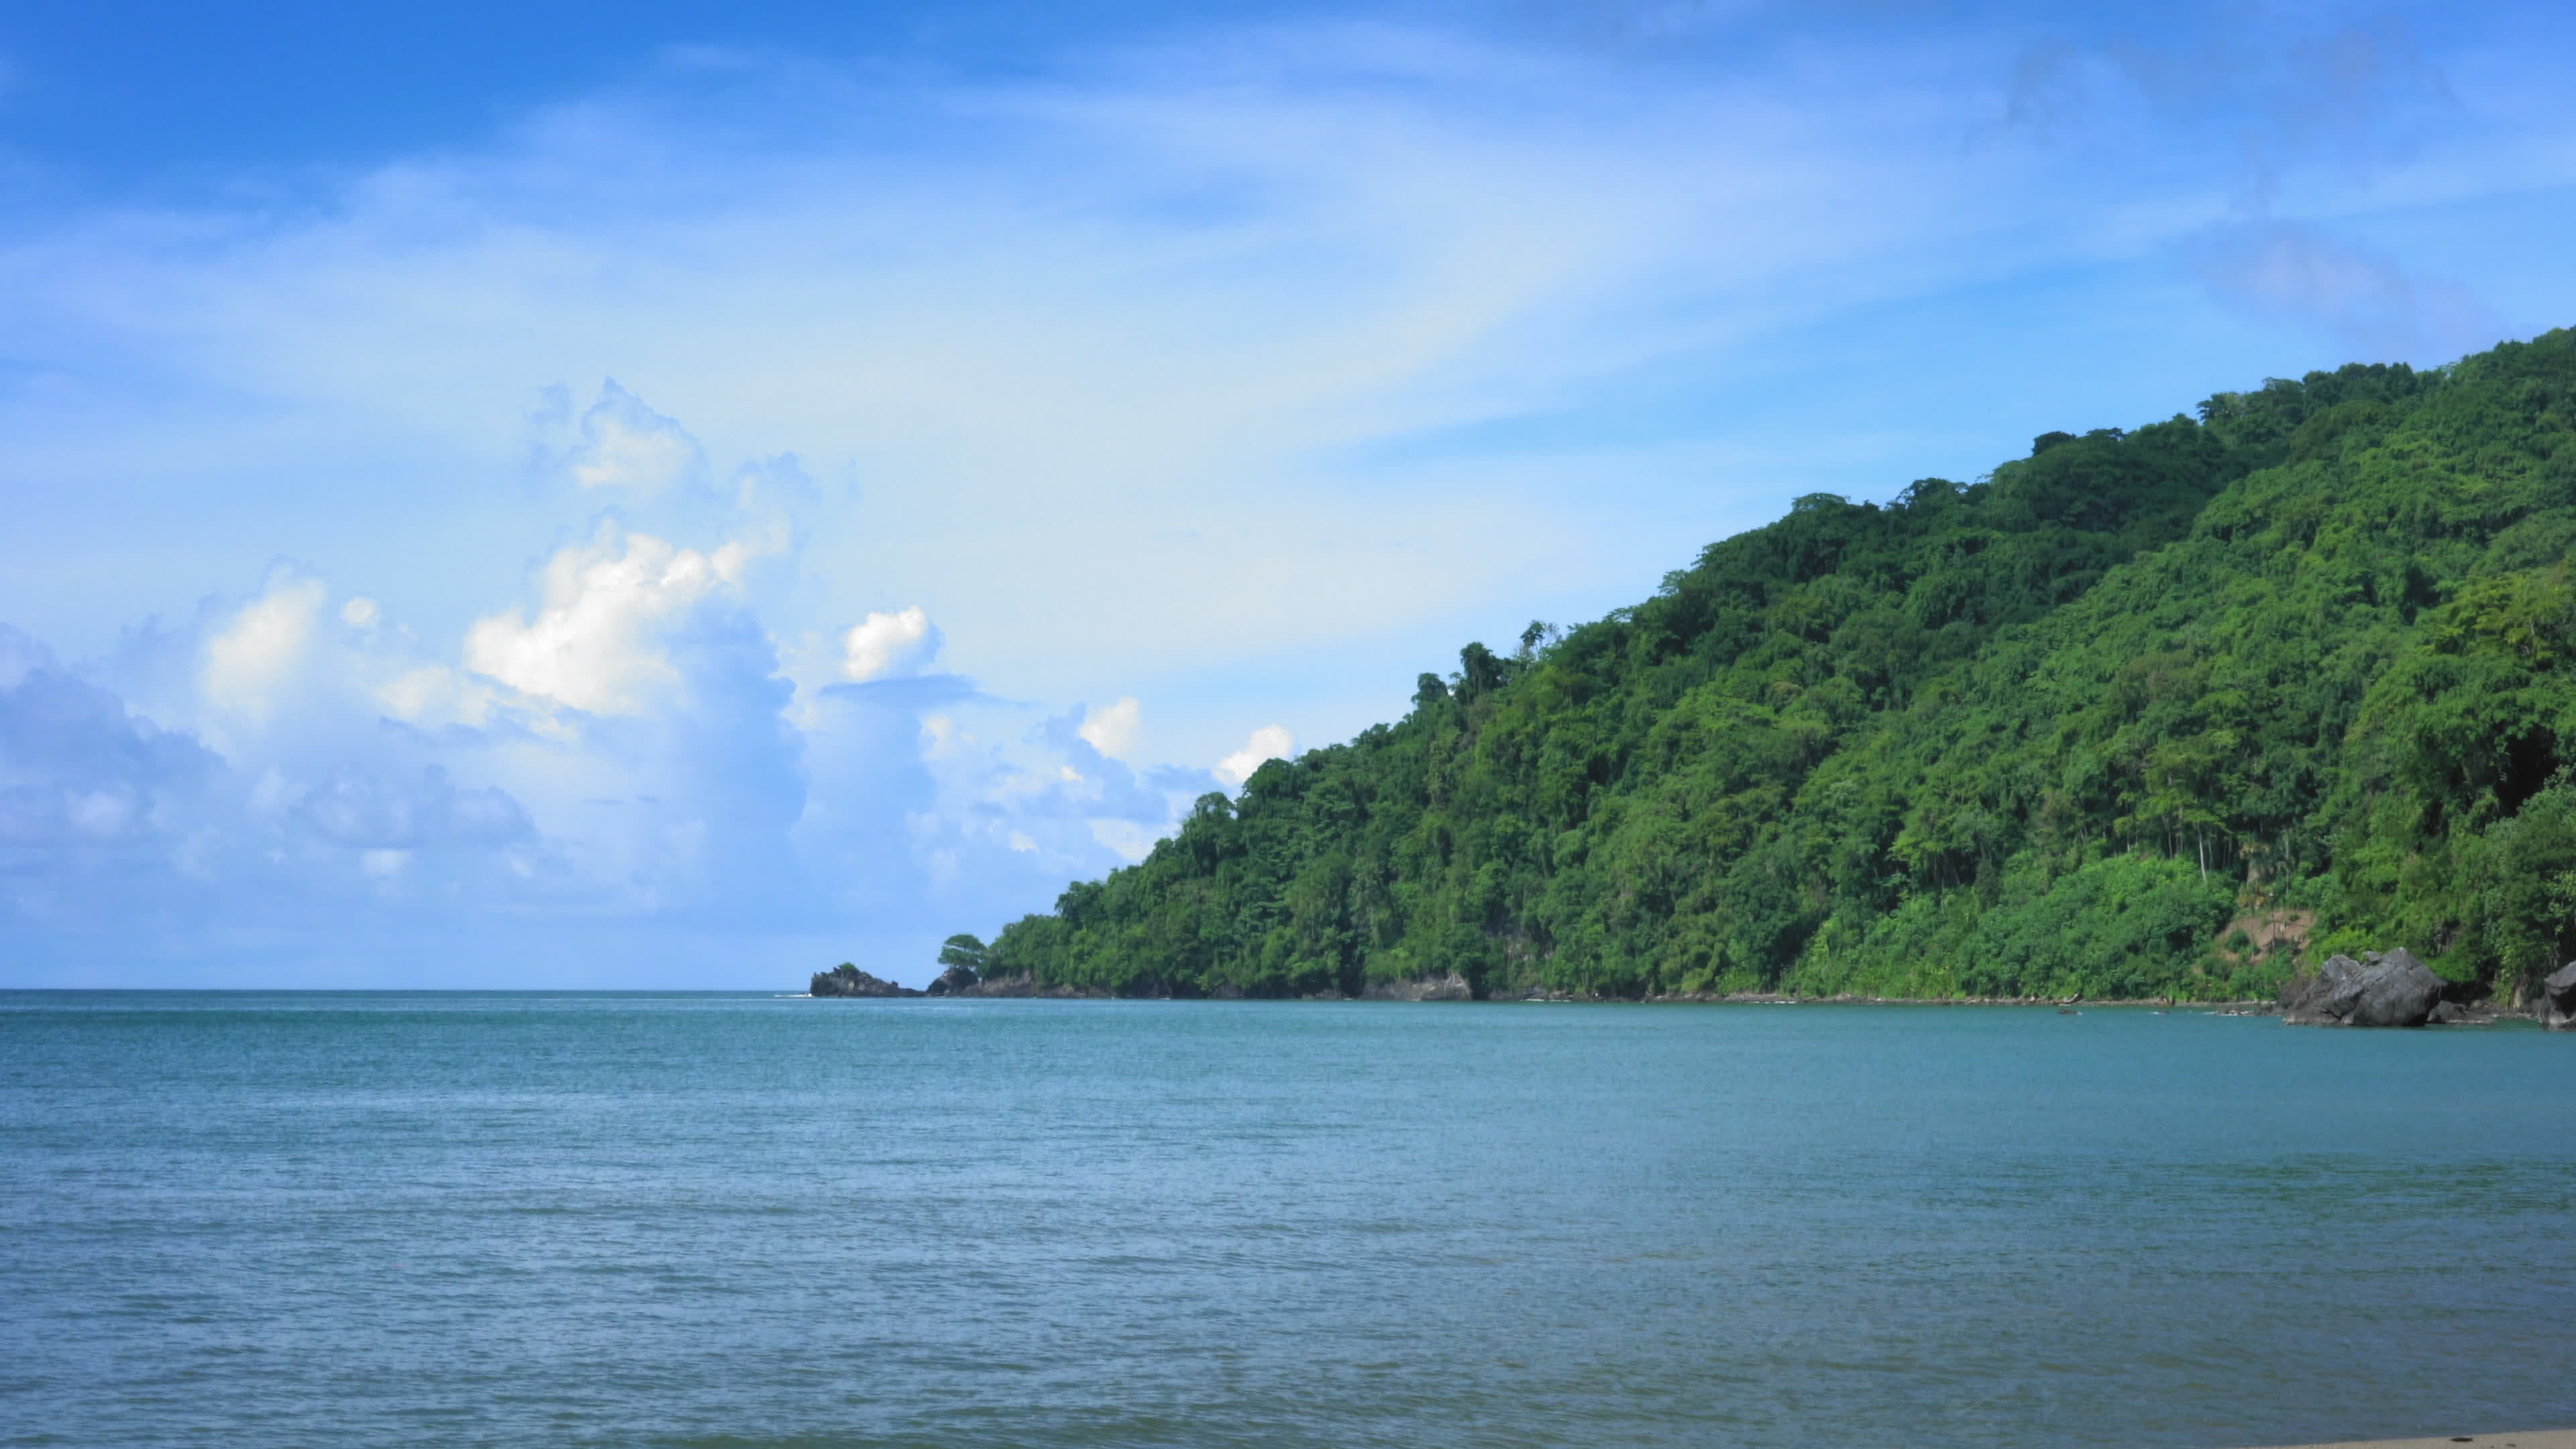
column 2143, row 713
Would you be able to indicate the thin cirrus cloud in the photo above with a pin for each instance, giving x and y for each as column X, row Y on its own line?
column 1173, row 287
column 1202, row 371
column 2368, row 301
column 1180, row 283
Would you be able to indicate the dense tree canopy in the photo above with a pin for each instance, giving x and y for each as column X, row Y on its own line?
column 2305, row 657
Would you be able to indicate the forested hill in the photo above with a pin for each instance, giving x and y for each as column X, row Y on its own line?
column 2143, row 713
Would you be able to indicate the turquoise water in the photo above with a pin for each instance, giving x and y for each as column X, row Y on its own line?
column 744, row 1221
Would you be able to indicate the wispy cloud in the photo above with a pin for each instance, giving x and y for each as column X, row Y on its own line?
column 940, row 401
column 2279, row 106
column 1090, row 329
column 2375, row 308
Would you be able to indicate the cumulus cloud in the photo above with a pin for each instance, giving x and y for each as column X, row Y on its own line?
column 595, row 642
column 262, row 647
column 1270, row 742
column 1233, row 318
column 365, row 811
column 626, row 445
column 21, row 656
column 84, row 784
column 1110, row 340
column 627, row 750
column 884, row 646
column 1115, row 338
column 117, row 832
column 1113, row 729
column 1086, row 783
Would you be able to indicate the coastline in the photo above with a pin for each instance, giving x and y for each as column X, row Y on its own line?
column 2523, row 1440
column 1456, row 990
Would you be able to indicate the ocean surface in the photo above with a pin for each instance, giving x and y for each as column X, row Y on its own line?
column 748, row 1221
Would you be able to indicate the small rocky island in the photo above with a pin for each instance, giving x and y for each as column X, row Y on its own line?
column 848, row 980
column 961, row 958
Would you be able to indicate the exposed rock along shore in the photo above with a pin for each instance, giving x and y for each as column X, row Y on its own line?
column 2393, row 989
column 2558, row 998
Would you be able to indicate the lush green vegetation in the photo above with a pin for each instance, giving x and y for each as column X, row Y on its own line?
column 2306, row 657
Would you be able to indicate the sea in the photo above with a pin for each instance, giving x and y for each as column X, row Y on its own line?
column 759, row 1221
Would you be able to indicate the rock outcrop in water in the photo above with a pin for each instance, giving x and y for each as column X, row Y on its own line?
column 955, row 981
column 2558, row 999
column 848, row 980
column 2378, row 990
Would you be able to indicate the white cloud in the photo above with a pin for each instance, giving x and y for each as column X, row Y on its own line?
column 1111, row 338
column 435, row 694
column 254, row 655
column 1131, row 840
column 1112, row 730
column 886, row 645
column 1270, row 742
column 625, row 444
column 595, row 642
column 1237, row 321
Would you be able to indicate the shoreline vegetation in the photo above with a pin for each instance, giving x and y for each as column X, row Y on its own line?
column 857, row 983
column 2191, row 712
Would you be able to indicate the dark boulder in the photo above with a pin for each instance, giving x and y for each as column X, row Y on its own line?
column 954, row 981
column 2558, row 998
column 2390, row 990
column 848, row 980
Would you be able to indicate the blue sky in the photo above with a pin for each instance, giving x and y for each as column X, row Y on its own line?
column 682, row 495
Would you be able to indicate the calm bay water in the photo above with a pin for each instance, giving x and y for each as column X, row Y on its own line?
column 463, row 1219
